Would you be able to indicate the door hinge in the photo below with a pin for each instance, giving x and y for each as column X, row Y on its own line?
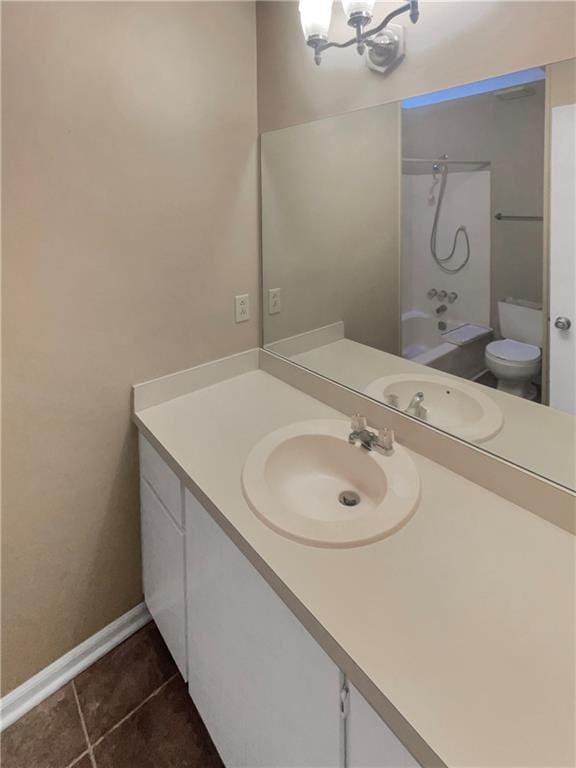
column 344, row 701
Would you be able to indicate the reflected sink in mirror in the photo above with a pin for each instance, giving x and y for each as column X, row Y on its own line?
column 309, row 484
column 446, row 403
column 414, row 235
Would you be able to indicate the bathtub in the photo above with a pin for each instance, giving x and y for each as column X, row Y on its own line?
column 420, row 335
column 423, row 342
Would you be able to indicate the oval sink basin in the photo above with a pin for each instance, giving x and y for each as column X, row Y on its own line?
column 454, row 407
column 308, row 483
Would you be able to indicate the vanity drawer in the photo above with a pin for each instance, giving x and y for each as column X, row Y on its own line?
column 163, row 481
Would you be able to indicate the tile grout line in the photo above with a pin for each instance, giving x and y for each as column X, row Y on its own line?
column 132, row 711
column 77, row 759
column 85, row 730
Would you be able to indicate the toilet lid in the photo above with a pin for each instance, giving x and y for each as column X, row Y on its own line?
column 517, row 351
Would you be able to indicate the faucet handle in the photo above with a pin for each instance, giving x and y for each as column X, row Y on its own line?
column 358, row 422
column 386, row 440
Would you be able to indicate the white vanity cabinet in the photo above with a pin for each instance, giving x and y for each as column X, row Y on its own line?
column 163, row 570
column 267, row 692
column 370, row 743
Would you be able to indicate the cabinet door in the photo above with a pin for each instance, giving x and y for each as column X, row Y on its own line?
column 370, row 743
column 163, row 573
column 266, row 691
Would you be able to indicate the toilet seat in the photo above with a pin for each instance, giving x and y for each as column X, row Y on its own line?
column 513, row 351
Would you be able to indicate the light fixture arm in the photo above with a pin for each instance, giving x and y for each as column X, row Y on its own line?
column 363, row 39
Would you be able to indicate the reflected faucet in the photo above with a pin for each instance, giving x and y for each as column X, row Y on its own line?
column 441, row 309
column 415, row 407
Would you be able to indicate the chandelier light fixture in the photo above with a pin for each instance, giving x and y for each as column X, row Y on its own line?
column 384, row 45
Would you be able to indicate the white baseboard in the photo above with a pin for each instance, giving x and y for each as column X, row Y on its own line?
column 49, row 680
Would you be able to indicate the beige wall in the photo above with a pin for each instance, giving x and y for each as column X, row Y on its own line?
column 130, row 221
column 330, row 215
column 562, row 83
column 510, row 135
column 454, row 42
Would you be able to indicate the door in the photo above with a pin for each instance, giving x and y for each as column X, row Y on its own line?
column 563, row 259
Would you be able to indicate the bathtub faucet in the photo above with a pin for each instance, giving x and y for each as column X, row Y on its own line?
column 441, row 309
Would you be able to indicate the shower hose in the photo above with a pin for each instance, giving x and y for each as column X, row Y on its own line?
column 443, row 261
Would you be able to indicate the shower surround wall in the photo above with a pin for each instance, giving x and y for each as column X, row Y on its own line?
column 510, row 135
column 466, row 202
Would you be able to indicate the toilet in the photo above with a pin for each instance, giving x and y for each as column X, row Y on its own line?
column 515, row 359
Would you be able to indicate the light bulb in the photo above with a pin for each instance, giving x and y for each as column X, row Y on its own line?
column 364, row 8
column 315, row 16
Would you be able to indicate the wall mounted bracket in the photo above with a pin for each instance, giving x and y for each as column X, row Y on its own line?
column 385, row 51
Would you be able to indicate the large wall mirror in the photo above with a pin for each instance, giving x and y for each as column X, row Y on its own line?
column 424, row 253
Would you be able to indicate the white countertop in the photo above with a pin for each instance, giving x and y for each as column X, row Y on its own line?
column 464, row 620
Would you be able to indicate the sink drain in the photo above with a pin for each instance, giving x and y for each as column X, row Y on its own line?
column 349, row 498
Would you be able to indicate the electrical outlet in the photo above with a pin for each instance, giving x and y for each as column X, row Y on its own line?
column 274, row 300
column 242, row 308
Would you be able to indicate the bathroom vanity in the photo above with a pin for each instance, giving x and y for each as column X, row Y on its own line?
column 420, row 648
column 267, row 691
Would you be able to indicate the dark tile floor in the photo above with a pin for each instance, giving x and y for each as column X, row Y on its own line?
column 131, row 709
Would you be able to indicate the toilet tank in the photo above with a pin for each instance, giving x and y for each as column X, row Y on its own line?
column 520, row 320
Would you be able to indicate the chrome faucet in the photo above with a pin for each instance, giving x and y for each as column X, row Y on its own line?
column 415, row 407
column 441, row 309
column 383, row 439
